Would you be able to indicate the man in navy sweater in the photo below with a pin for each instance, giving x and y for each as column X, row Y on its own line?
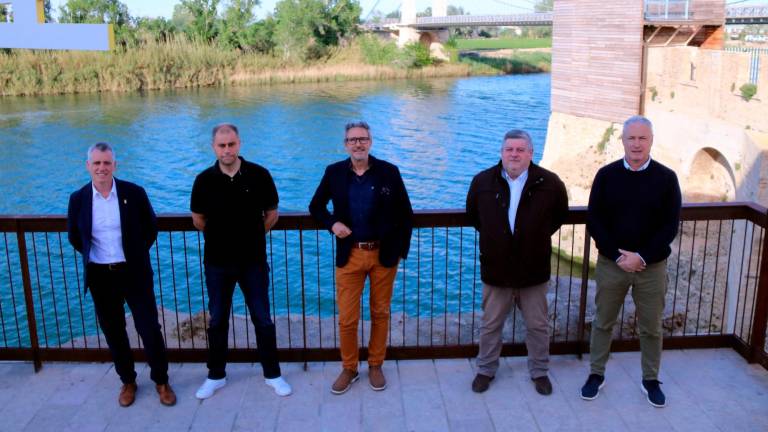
column 634, row 212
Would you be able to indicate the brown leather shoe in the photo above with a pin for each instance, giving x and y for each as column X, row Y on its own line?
column 481, row 383
column 543, row 385
column 127, row 395
column 376, row 378
column 344, row 381
column 166, row 394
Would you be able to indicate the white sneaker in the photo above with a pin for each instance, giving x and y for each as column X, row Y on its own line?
column 209, row 387
column 282, row 388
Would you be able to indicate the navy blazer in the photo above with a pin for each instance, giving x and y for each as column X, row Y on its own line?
column 393, row 215
column 137, row 223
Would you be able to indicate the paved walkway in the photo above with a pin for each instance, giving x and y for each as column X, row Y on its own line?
column 707, row 390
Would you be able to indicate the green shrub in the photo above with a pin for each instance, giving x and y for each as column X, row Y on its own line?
column 748, row 91
column 377, row 51
column 654, row 93
column 606, row 137
column 415, row 55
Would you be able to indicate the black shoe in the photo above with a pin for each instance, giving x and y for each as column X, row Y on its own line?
column 481, row 383
column 592, row 387
column 653, row 391
column 543, row 385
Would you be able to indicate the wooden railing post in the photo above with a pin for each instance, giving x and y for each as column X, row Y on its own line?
column 584, row 291
column 760, row 317
column 28, row 300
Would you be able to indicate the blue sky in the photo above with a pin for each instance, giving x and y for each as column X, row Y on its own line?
column 475, row 7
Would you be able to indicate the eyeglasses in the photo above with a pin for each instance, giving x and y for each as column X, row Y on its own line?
column 357, row 140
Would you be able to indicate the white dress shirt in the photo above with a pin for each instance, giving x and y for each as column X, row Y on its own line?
column 106, row 236
column 515, row 192
column 642, row 167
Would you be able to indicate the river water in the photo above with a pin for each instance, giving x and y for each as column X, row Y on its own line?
column 439, row 132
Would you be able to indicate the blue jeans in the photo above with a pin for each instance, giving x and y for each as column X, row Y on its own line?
column 254, row 283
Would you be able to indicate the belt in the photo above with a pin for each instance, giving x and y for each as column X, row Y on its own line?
column 371, row 245
column 111, row 266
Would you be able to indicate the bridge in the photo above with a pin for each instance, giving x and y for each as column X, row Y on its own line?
column 655, row 11
column 747, row 15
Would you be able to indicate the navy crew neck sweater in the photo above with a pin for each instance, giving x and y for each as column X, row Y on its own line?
column 638, row 211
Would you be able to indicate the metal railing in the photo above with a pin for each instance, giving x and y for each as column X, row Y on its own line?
column 717, row 290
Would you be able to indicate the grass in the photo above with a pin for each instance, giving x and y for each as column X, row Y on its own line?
column 517, row 63
column 503, row 43
column 185, row 64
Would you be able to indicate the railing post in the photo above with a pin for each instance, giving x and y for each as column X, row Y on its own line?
column 28, row 300
column 760, row 317
column 584, row 291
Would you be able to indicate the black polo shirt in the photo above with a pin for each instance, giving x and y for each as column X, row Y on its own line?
column 234, row 210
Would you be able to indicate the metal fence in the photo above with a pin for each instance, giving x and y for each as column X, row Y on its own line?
column 717, row 291
column 755, row 57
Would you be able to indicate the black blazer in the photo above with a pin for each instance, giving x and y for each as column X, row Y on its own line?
column 137, row 223
column 393, row 215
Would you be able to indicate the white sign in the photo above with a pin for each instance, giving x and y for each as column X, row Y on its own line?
column 29, row 30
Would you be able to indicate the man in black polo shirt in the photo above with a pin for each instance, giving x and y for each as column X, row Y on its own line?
column 372, row 220
column 234, row 203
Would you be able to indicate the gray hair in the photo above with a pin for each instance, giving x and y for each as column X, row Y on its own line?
column 102, row 147
column 518, row 134
column 357, row 124
column 224, row 126
column 637, row 119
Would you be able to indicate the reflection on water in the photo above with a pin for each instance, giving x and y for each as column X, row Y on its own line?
column 440, row 133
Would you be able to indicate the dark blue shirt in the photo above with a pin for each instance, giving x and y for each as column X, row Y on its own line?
column 361, row 194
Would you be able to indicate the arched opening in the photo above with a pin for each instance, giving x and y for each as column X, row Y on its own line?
column 711, row 178
column 426, row 39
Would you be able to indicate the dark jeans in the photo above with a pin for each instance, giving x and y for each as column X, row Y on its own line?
column 254, row 283
column 110, row 290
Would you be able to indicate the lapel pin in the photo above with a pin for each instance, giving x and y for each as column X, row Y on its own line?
column 125, row 201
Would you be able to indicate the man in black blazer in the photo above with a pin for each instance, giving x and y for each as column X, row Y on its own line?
column 372, row 221
column 112, row 224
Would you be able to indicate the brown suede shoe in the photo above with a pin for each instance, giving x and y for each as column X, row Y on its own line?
column 127, row 395
column 166, row 394
column 344, row 381
column 376, row 378
column 543, row 385
column 481, row 383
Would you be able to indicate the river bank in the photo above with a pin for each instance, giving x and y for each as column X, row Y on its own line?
column 184, row 64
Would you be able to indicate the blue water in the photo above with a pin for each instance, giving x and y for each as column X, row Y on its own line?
column 439, row 132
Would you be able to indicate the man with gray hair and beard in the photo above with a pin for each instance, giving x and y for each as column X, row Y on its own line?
column 516, row 206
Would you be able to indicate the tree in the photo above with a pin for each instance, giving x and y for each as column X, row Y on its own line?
column 95, row 12
column 393, row 14
column 3, row 13
column 306, row 28
column 100, row 12
column 160, row 29
column 426, row 13
column 181, row 18
column 456, row 10
column 234, row 26
column 203, row 25
column 544, row 6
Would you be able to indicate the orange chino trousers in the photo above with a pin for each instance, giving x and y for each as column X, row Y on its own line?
column 350, row 281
